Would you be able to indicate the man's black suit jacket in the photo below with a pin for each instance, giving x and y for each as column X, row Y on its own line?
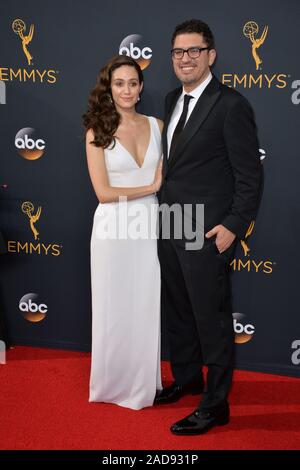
column 216, row 161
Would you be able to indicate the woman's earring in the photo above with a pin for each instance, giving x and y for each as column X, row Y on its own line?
column 110, row 99
column 139, row 99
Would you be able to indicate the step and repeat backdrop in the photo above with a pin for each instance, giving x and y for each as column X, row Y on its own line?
column 51, row 53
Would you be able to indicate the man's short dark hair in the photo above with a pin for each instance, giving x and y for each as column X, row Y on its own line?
column 195, row 26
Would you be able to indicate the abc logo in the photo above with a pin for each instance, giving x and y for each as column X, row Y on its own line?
column 31, row 309
column 28, row 144
column 244, row 331
column 133, row 46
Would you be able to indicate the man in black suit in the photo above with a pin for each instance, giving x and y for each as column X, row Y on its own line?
column 211, row 157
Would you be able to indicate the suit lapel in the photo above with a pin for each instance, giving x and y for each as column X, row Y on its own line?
column 204, row 105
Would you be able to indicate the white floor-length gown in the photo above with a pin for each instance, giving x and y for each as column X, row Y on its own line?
column 125, row 277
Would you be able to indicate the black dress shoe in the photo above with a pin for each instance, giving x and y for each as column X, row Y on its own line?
column 174, row 392
column 201, row 421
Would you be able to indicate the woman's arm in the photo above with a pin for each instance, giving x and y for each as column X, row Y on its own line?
column 98, row 174
column 160, row 124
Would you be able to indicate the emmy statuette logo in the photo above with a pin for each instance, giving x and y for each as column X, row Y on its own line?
column 19, row 28
column 36, row 246
column 28, row 209
column 250, row 30
column 29, row 71
column 243, row 243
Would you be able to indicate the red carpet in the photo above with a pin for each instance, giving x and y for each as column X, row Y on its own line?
column 44, row 405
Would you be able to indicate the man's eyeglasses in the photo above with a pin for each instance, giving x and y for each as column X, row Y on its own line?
column 192, row 52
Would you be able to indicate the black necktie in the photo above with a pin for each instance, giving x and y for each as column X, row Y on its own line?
column 181, row 123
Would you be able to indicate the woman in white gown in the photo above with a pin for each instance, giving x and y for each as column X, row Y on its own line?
column 124, row 161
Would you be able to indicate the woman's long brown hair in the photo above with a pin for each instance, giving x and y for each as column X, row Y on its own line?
column 101, row 115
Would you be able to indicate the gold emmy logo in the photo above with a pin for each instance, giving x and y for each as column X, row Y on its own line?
column 28, row 208
column 250, row 30
column 243, row 243
column 19, row 28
